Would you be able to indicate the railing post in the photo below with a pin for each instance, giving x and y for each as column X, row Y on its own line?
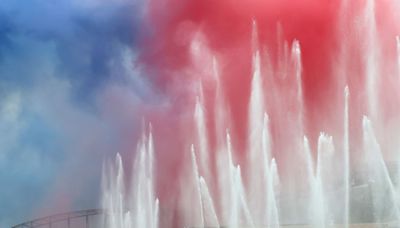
column 105, row 220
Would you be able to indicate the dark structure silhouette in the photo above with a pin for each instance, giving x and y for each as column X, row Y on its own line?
column 67, row 220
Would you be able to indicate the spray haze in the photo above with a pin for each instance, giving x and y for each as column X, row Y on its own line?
column 263, row 113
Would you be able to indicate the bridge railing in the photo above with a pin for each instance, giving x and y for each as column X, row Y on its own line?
column 67, row 219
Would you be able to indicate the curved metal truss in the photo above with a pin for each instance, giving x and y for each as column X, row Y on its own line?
column 66, row 218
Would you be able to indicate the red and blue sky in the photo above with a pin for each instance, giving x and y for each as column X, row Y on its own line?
column 79, row 77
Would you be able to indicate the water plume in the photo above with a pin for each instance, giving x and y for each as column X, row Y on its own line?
column 274, row 132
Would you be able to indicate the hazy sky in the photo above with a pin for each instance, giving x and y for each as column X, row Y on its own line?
column 77, row 78
column 69, row 92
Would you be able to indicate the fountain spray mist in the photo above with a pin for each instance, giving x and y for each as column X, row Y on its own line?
column 272, row 99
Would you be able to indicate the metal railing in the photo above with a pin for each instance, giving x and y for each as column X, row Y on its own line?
column 49, row 221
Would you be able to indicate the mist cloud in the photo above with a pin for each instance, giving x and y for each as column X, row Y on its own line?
column 70, row 95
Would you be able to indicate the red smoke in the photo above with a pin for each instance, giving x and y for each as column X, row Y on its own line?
column 321, row 27
column 227, row 26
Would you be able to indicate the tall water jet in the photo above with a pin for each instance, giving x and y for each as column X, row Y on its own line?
column 258, row 161
column 138, row 205
column 371, row 57
column 346, row 159
column 198, row 202
column 293, row 110
column 314, row 211
column 384, row 207
column 319, row 181
column 144, row 201
column 224, row 168
column 296, row 61
column 220, row 110
column 239, row 213
column 272, row 210
column 201, row 132
column 324, row 178
column 114, row 193
column 210, row 214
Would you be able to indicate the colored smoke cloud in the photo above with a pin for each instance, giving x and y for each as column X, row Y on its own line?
column 79, row 78
column 336, row 35
column 70, row 96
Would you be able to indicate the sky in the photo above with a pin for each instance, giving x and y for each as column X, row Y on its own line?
column 69, row 97
column 80, row 78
